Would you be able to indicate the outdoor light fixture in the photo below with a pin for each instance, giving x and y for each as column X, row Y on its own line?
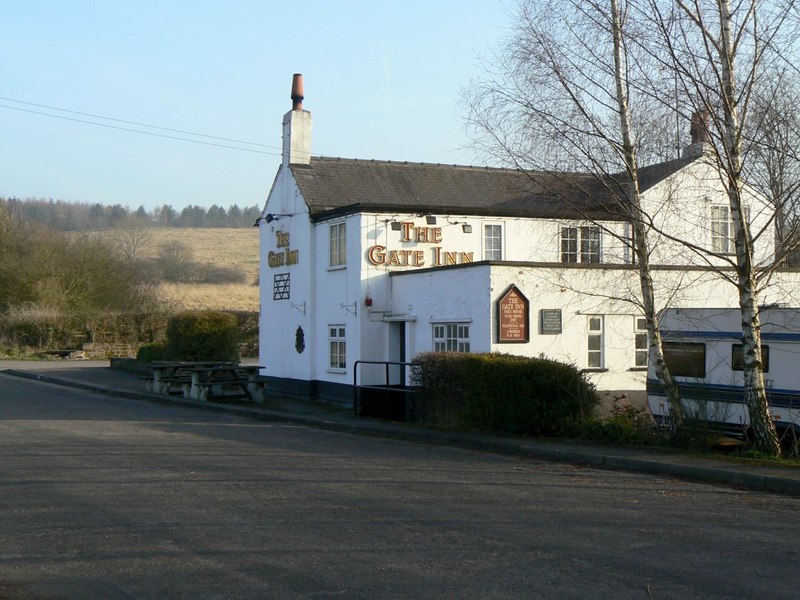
column 430, row 219
column 396, row 225
column 465, row 227
column 269, row 218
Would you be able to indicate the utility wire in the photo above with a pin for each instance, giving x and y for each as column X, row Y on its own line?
column 161, row 135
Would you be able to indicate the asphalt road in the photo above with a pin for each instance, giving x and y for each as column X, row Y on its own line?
column 110, row 498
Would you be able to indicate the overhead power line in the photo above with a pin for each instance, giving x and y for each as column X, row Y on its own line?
column 139, row 124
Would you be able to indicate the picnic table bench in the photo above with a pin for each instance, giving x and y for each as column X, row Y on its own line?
column 226, row 381
column 201, row 380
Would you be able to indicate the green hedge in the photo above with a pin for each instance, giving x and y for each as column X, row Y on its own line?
column 36, row 330
column 502, row 393
column 203, row 335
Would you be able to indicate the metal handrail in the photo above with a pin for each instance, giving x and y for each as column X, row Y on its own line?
column 386, row 385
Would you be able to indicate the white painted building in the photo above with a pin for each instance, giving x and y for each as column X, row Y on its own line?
column 376, row 260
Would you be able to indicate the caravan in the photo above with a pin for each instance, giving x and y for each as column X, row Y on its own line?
column 703, row 349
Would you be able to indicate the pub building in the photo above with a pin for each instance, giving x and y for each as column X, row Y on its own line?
column 366, row 260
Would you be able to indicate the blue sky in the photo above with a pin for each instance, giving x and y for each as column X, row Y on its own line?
column 383, row 80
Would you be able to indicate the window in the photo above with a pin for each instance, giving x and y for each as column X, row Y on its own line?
column 590, row 244
column 280, row 286
column 451, row 337
column 721, row 229
column 641, row 351
column 737, row 358
column 338, row 245
column 594, row 358
column 587, row 239
column 569, row 244
column 338, row 345
column 685, row 359
column 492, row 242
column 721, row 220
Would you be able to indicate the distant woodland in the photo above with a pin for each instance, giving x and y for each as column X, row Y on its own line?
column 72, row 216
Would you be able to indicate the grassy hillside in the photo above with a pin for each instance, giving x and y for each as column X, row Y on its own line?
column 236, row 248
column 229, row 247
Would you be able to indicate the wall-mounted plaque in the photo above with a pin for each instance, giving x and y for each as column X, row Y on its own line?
column 551, row 321
column 512, row 317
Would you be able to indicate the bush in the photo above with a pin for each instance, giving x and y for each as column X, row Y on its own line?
column 203, row 335
column 626, row 425
column 502, row 393
column 150, row 352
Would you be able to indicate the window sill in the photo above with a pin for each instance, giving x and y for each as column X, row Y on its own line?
column 638, row 369
column 340, row 371
column 337, row 268
column 594, row 370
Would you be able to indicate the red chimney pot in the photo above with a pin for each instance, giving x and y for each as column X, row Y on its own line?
column 297, row 91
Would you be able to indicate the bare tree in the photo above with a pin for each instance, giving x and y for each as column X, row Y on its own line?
column 560, row 98
column 584, row 85
column 773, row 139
column 720, row 54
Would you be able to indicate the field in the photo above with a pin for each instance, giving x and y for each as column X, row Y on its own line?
column 236, row 248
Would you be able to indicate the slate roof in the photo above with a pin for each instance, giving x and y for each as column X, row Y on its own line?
column 332, row 186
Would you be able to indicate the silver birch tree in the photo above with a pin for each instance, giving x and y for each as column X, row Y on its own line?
column 707, row 48
column 561, row 88
column 641, row 244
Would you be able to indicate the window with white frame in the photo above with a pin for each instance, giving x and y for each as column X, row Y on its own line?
column 720, row 229
column 582, row 244
column 451, row 337
column 721, row 222
column 492, row 242
column 338, row 245
column 590, row 244
column 338, row 346
column 594, row 346
column 642, row 348
column 569, row 244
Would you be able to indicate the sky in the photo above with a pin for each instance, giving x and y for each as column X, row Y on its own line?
column 383, row 80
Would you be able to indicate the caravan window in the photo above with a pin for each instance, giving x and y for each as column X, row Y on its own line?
column 685, row 359
column 737, row 358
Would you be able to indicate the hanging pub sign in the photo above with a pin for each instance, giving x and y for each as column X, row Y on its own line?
column 513, row 324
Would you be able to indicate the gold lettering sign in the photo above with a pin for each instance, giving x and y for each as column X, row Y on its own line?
column 512, row 317
column 379, row 255
column 285, row 257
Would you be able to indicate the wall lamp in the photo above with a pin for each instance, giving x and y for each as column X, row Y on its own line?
column 396, row 225
column 269, row 218
column 430, row 219
column 465, row 227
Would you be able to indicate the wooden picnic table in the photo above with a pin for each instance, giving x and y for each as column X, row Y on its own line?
column 200, row 380
column 222, row 381
column 170, row 375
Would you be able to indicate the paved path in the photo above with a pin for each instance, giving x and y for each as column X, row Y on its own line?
column 96, row 375
column 118, row 499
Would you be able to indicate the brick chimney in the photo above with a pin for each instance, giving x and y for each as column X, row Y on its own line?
column 701, row 137
column 297, row 128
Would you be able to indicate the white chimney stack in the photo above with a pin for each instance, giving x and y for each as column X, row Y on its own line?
column 297, row 128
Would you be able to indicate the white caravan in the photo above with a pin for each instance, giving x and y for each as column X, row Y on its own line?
column 703, row 348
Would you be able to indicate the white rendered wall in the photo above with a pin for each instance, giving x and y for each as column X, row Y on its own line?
column 468, row 295
column 680, row 206
column 280, row 318
column 322, row 296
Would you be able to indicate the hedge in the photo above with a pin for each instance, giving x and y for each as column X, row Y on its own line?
column 502, row 393
column 203, row 335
